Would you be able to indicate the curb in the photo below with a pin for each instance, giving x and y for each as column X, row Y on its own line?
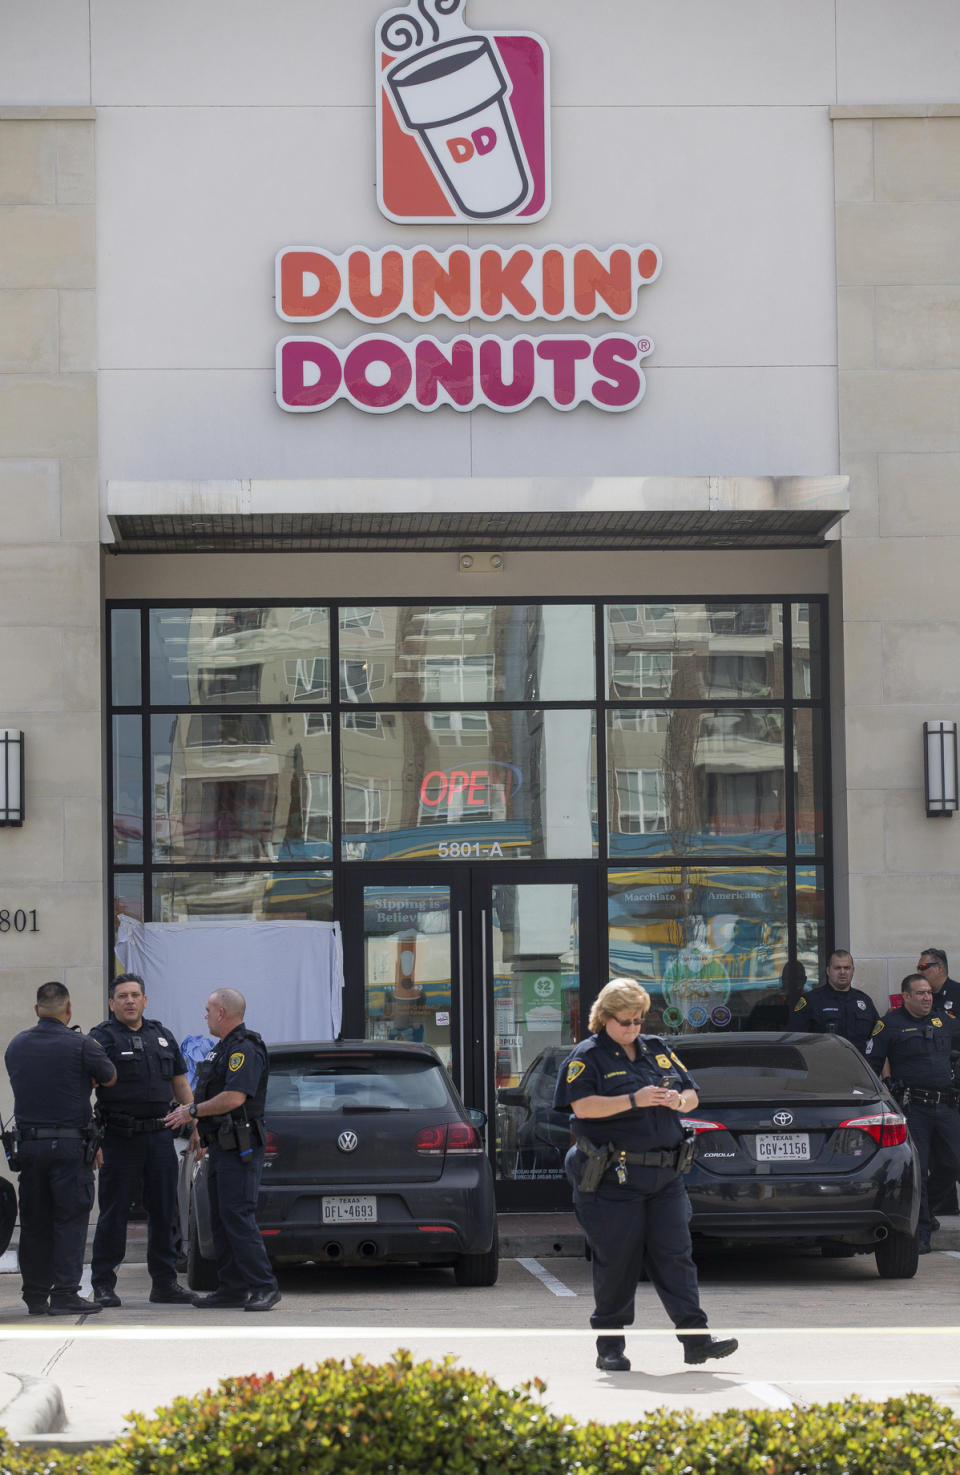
column 36, row 1409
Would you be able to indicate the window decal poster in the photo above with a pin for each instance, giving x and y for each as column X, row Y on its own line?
column 463, row 130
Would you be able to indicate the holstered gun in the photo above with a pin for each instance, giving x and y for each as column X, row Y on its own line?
column 10, row 1137
column 598, row 1161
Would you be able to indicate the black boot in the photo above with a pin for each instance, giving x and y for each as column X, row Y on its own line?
column 610, row 1355
column 705, row 1348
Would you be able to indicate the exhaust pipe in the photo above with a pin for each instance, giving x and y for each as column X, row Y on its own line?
column 368, row 1249
column 881, row 1233
column 333, row 1250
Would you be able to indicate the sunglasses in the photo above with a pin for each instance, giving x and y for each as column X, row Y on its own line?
column 626, row 1023
column 934, row 963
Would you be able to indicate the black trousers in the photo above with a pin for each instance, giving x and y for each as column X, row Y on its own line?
column 146, row 1163
column 234, row 1183
column 56, row 1196
column 931, row 1125
column 630, row 1231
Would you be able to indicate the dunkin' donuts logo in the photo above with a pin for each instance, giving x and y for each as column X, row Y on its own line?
column 462, row 118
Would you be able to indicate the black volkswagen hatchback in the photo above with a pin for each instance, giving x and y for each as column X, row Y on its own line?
column 799, row 1143
column 370, row 1156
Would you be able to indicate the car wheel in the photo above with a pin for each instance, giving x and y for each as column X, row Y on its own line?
column 201, row 1273
column 479, row 1270
column 897, row 1256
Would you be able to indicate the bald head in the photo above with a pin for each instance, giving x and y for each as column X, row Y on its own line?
column 225, row 1010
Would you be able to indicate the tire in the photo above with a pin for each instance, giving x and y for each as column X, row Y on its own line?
column 201, row 1273
column 897, row 1256
column 479, row 1270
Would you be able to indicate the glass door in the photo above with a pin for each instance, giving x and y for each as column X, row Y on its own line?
column 495, row 967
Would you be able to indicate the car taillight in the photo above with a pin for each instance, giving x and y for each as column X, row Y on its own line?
column 271, row 1148
column 453, row 1137
column 700, row 1124
column 886, row 1129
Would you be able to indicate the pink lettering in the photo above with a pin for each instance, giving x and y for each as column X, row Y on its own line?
column 564, row 353
column 310, row 374
column 485, row 139
column 356, row 374
column 611, row 359
column 520, row 389
column 453, row 370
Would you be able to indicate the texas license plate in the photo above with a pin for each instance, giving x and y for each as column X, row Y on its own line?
column 783, row 1147
column 352, row 1209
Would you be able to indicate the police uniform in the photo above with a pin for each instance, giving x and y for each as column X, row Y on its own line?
column 50, row 1069
column 138, row 1150
column 638, row 1218
column 942, row 1182
column 918, row 1051
column 235, row 1150
column 827, row 1010
column 947, row 1001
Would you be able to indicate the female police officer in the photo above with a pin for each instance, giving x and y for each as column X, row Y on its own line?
column 626, row 1091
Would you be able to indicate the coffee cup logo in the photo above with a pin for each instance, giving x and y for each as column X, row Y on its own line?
column 462, row 118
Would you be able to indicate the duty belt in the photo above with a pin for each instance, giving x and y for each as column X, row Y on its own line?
column 601, row 1159
column 34, row 1134
column 929, row 1096
column 131, row 1126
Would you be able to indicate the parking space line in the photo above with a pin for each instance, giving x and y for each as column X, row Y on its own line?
column 545, row 1278
column 954, row 1254
column 770, row 1394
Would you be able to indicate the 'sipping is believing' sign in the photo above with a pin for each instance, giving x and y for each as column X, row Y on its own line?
column 462, row 134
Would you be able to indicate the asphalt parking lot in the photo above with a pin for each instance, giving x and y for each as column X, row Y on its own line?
column 810, row 1329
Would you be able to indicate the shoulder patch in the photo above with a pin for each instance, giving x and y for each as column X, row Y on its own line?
column 574, row 1069
column 878, row 1026
column 663, row 1061
column 235, row 1061
column 800, row 1004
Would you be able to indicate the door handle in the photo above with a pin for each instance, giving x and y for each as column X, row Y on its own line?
column 461, row 1010
column 486, row 1042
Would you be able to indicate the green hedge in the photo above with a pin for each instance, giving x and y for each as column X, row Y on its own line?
column 406, row 1418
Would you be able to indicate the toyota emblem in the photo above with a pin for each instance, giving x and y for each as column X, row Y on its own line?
column 349, row 1142
column 782, row 1118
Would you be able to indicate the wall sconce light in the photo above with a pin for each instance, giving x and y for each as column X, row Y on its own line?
column 11, row 776
column 940, row 769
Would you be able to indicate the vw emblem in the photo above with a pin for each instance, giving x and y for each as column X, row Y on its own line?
column 780, row 1118
column 349, row 1142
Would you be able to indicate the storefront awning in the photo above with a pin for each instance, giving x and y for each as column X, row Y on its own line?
column 449, row 514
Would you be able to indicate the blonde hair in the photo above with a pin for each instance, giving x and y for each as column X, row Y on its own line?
column 616, row 996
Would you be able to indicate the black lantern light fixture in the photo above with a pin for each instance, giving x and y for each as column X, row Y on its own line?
column 940, row 769
column 11, row 776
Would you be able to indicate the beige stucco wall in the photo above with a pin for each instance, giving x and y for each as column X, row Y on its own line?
column 50, row 584
column 898, row 293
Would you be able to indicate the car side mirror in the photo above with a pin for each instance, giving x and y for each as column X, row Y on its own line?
column 513, row 1096
column 475, row 1117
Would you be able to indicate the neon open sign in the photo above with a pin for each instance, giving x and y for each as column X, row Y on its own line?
column 473, row 788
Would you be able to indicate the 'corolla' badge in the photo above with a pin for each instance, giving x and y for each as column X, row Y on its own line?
column 782, row 1118
column 349, row 1142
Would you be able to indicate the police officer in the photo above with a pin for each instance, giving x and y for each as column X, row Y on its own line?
column 626, row 1091
column 911, row 1045
column 52, row 1068
column 228, row 1110
column 942, row 1183
column 138, row 1151
column 837, row 1008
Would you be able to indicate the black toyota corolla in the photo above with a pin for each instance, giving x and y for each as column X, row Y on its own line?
column 370, row 1156
column 798, row 1142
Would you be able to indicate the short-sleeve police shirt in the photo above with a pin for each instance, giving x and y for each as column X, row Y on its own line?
column 918, row 1049
column 238, row 1065
column 847, row 1012
column 50, row 1069
column 600, row 1067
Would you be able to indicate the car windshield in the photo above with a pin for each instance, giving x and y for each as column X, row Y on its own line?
column 757, row 1070
column 328, row 1083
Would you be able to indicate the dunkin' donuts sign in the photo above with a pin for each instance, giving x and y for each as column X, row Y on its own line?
column 463, row 134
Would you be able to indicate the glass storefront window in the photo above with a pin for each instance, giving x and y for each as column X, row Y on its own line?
column 692, row 652
column 240, row 656
column 693, row 780
column 240, row 786
column 125, row 657
column 709, row 943
column 808, row 760
column 127, row 899
column 127, row 790
column 408, row 966
column 811, row 931
column 469, row 785
column 268, row 896
column 467, row 653
column 807, row 652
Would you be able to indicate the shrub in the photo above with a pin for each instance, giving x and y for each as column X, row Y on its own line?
column 406, row 1418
